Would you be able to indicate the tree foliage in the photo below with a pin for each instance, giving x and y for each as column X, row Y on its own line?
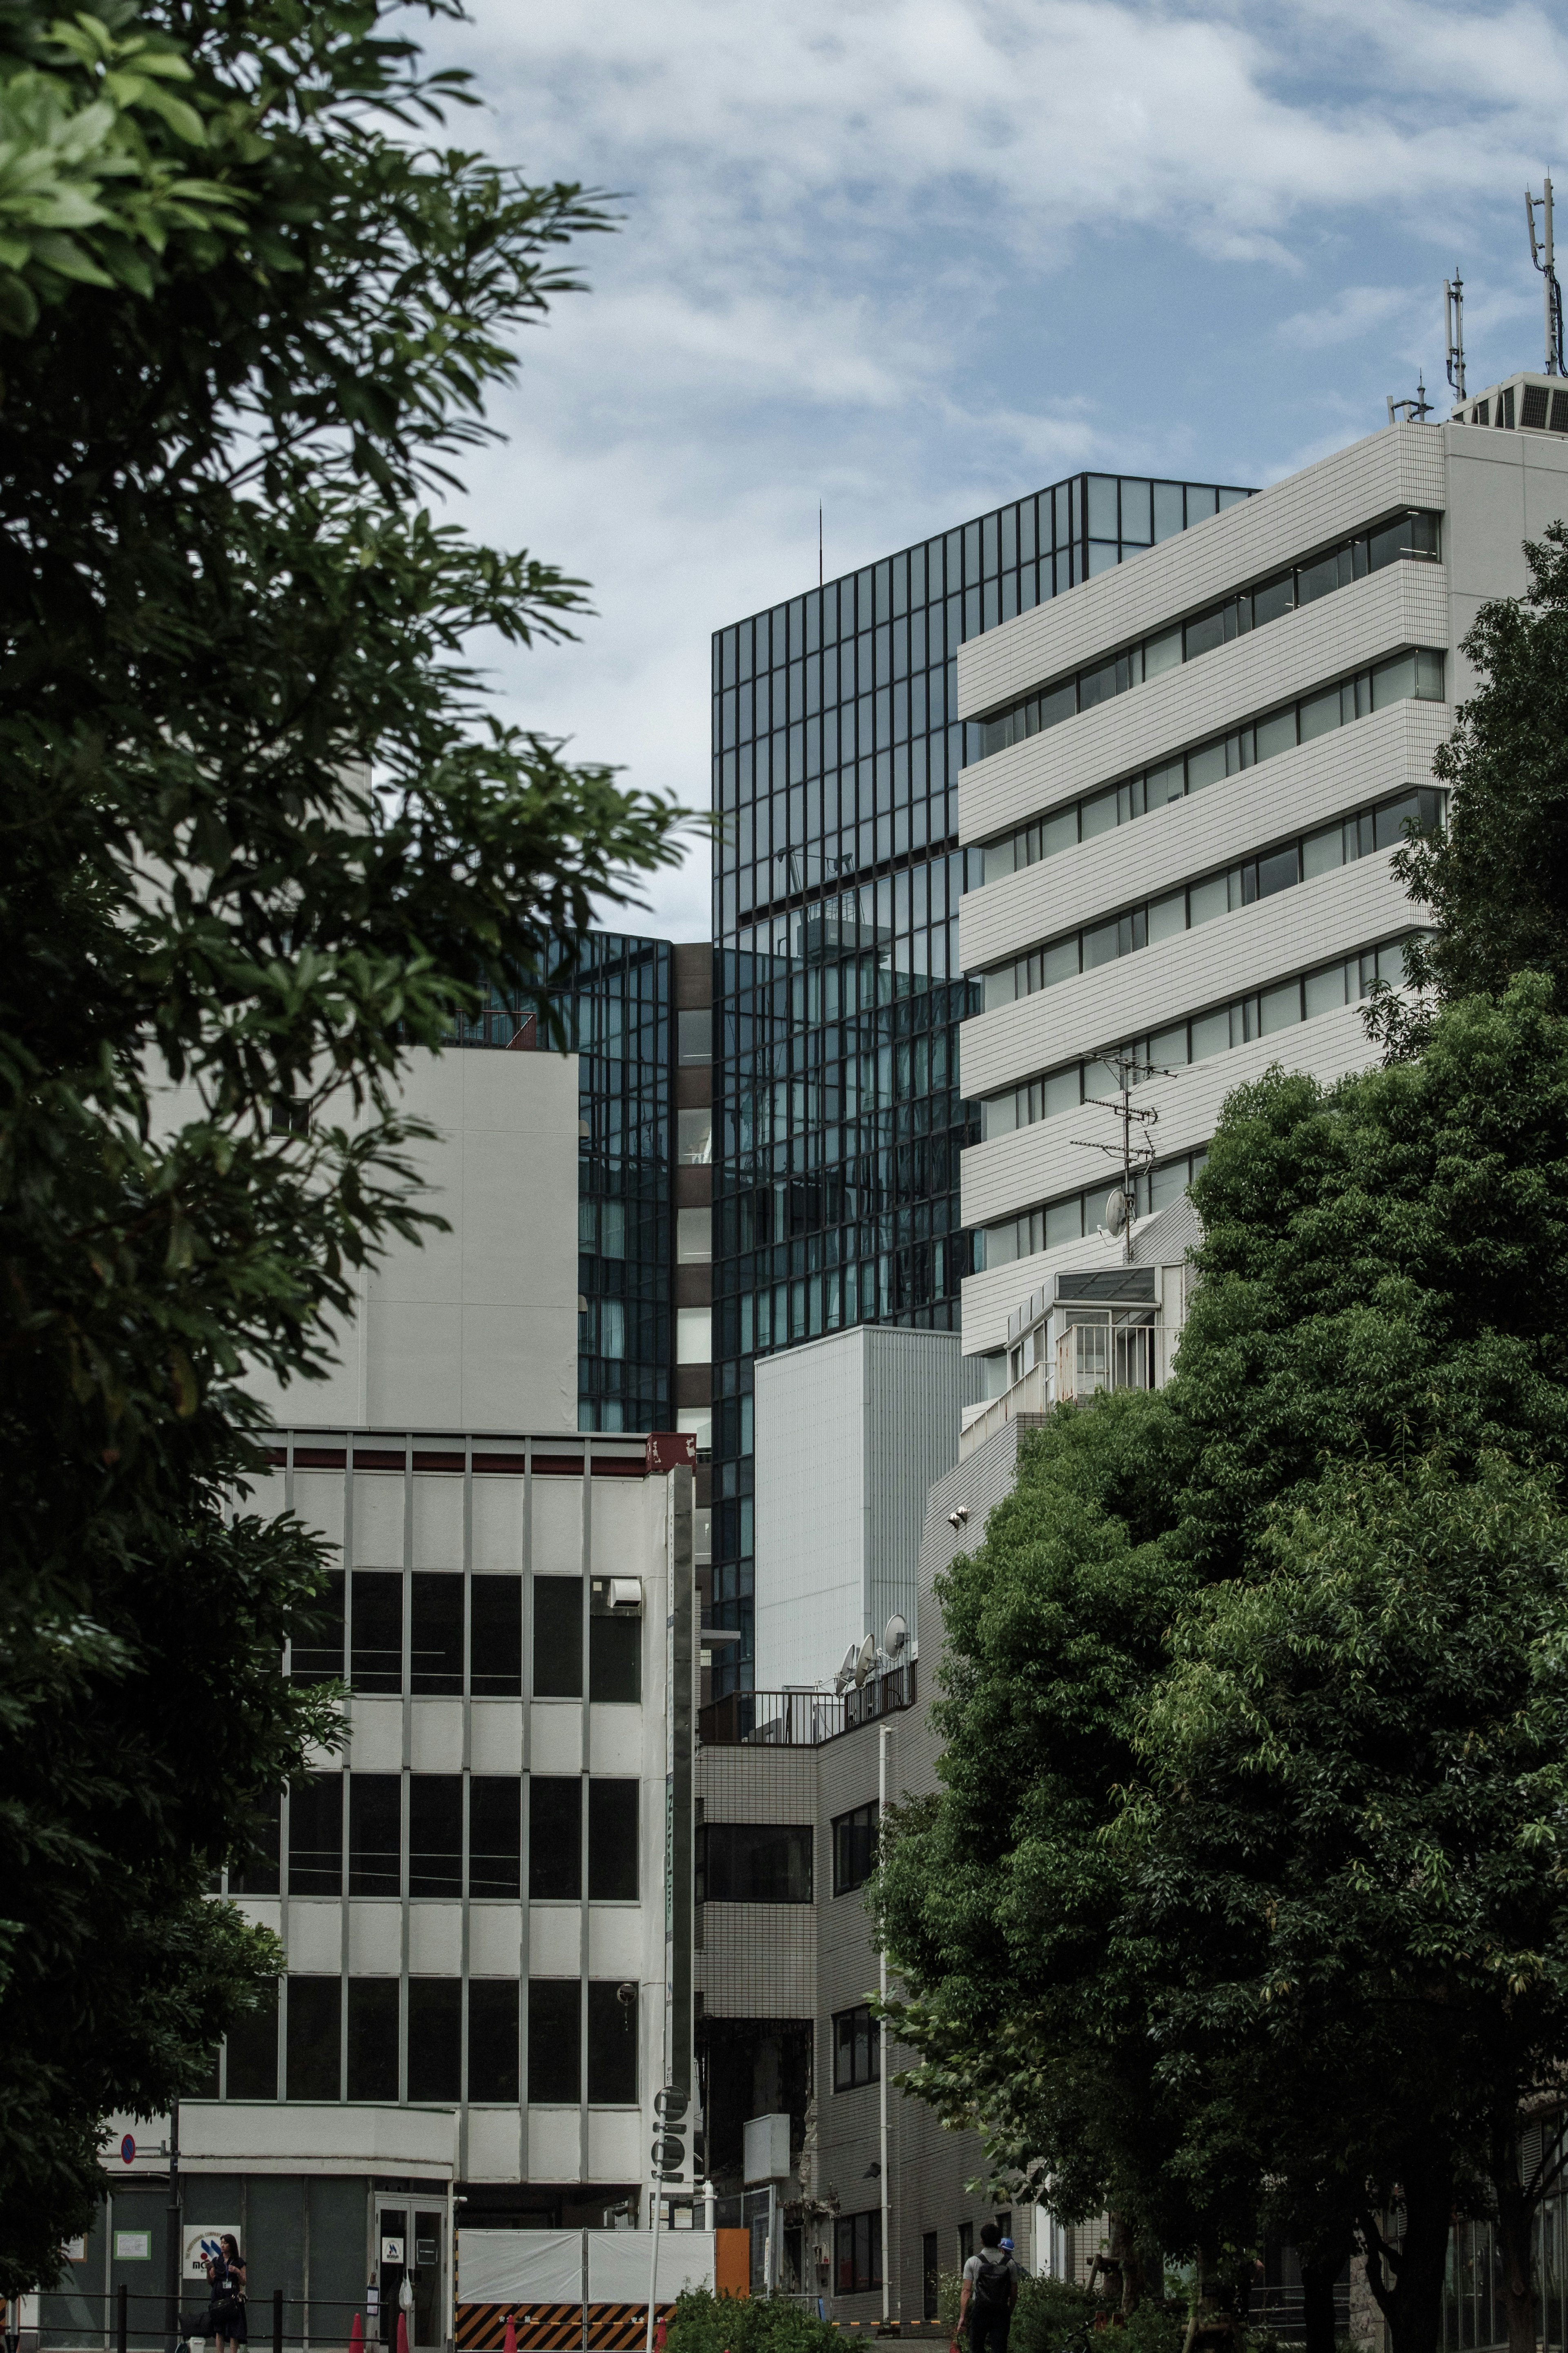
column 262, row 840
column 1374, row 1338
column 1495, row 878
column 1350, row 1841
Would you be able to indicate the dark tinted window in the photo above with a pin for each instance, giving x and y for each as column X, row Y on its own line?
column 316, row 1835
column 558, row 1637
column 316, row 1653
column 315, row 2037
column 377, row 1634
column 754, row 1863
column 495, row 1835
column 492, row 2039
column 857, row 2252
column 435, row 2037
column 257, row 1873
column 612, row 2046
column 435, row 1634
column 375, row 1834
column 253, row 2048
column 613, row 1840
column 854, row 1845
column 373, row 2038
column 554, row 1838
column 1280, row 872
column 1273, row 599
column 436, row 1836
column 694, row 1029
column 856, row 2048
column 495, row 1637
column 615, row 1657
column 555, row 2035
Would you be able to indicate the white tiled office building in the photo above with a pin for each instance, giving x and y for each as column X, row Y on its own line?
column 1195, row 770
column 483, row 1896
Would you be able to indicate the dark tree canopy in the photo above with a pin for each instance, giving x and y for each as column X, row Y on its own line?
column 262, row 840
column 1495, row 879
column 1373, row 1372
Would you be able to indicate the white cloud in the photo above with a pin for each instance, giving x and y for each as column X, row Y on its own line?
column 907, row 256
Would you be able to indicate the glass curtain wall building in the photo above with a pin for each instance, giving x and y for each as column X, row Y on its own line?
column 838, row 996
column 616, row 1004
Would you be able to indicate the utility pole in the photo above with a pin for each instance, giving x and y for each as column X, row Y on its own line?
column 174, row 2266
column 1136, row 1120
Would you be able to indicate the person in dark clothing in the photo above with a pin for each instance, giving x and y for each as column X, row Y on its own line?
column 990, row 2291
column 225, row 2303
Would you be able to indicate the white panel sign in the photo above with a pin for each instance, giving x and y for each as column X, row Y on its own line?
column 203, row 2245
column 520, row 2267
column 618, row 2264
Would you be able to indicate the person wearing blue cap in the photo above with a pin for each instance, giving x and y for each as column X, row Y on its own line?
column 990, row 2291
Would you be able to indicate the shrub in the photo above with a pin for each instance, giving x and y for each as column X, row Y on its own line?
column 705, row 2322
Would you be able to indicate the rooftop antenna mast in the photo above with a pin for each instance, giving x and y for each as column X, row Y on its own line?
column 1541, row 255
column 1454, row 328
column 1136, row 1149
column 1410, row 412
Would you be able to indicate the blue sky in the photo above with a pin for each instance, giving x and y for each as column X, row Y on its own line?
column 910, row 258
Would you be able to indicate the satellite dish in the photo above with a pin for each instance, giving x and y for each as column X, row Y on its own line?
column 1116, row 1211
column 865, row 1660
column 895, row 1634
column 845, row 1669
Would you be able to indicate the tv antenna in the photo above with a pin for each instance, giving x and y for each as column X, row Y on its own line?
column 1410, row 412
column 1454, row 329
column 1136, row 1149
column 1541, row 255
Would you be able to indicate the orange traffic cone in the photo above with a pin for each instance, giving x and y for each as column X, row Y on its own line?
column 402, row 2330
column 509, row 2345
column 356, row 2336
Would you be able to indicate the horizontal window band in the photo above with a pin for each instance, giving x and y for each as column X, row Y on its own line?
column 1415, row 674
column 1191, row 1039
column 1325, row 988
column 1360, row 835
column 1415, row 536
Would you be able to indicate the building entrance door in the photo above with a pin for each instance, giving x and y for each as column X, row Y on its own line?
column 411, row 2245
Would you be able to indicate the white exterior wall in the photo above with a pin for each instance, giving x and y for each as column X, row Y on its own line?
column 849, row 1434
column 532, row 1524
column 1494, row 488
column 810, row 1469
column 476, row 1328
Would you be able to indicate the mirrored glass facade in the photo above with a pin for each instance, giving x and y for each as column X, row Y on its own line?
column 615, row 1007
column 838, row 996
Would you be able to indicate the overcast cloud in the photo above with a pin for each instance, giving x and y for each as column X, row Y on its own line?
column 909, row 258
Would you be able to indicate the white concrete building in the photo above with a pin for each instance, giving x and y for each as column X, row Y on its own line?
column 1196, row 768
column 850, row 1432
column 484, row 1895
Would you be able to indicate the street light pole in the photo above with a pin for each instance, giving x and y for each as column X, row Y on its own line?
column 174, row 2266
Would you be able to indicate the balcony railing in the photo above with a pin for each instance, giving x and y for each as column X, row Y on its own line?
column 1091, row 1356
column 803, row 1719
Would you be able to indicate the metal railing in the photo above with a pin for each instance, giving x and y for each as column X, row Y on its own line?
column 94, row 2320
column 803, row 1719
column 1091, row 1356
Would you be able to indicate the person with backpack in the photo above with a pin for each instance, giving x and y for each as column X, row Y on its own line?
column 990, row 2291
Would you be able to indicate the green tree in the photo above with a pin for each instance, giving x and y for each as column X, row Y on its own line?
column 263, row 839
column 1003, row 1915
column 1380, row 1270
column 1350, row 1832
column 1495, row 878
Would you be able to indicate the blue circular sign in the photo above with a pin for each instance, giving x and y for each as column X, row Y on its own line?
column 128, row 2149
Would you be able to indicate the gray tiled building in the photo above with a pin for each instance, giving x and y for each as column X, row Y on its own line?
column 874, row 2204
